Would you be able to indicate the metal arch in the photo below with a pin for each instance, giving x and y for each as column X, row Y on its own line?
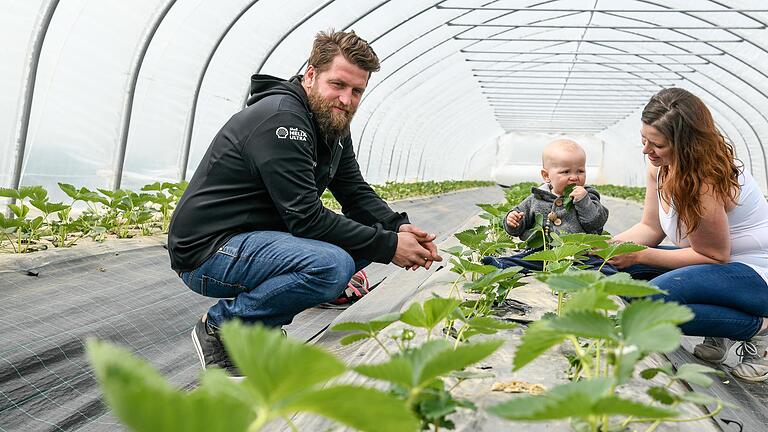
column 716, row 48
column 196, row 97
column 418, row 134
column 29, row 93
column 282, row 38
column 466, row 120
column 433, row 113
column 372, row 41
column 370, row 91
column 125, row 123
column 757, row 136
column 417, row 116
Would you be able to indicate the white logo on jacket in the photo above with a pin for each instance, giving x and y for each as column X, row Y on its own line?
column 281, row 132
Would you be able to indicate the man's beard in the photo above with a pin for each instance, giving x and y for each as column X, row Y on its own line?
column 333, row 124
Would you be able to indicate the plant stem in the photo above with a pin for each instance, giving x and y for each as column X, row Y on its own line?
column 715, row 412
column 581, row 355
column 375, row 337
column 290, row 424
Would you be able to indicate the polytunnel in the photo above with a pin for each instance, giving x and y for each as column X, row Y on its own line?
column 117, row 95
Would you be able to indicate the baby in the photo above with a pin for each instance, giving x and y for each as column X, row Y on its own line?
column 563, row 163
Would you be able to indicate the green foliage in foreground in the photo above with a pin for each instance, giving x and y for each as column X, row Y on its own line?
column 391, row 191
column 284, row 377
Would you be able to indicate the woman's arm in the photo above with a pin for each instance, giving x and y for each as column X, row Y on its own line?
column 710, row 242
column 648, row 231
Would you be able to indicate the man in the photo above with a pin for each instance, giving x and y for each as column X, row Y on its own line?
column 251, row 229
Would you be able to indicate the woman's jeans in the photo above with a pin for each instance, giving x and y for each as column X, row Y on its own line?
column 270, row 276
column 728, row 300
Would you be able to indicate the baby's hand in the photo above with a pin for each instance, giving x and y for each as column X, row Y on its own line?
column 514, row 218
column 578, row 193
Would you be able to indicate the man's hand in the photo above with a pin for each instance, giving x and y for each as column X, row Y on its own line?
column 578, row 193
column 410, row 254
column 426, row 241
column 514, row 217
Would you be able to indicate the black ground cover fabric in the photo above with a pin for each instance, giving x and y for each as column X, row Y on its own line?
column 130, row 297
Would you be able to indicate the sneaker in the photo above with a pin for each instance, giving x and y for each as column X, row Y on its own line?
column 210, row 350
column 357, row 287
column 713, row 349
column 754, row 359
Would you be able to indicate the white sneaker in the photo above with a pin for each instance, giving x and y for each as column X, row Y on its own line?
column 754, row 359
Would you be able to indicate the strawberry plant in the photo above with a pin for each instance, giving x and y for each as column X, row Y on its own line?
column 283, row 377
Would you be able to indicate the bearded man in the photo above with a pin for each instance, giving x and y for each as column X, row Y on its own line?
column 251, row 228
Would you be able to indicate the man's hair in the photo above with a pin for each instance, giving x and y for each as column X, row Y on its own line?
column 700, row 154
column 329, row 44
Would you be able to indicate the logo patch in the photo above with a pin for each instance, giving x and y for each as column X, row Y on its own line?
column 281, row 132
column 297, row 134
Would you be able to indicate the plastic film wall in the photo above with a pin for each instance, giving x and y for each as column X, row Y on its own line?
column 119, row 94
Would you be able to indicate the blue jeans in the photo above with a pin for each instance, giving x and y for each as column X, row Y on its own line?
column 270, row 276
column 728, row 300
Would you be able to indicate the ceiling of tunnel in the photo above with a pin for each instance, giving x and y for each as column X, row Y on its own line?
column 110, row 93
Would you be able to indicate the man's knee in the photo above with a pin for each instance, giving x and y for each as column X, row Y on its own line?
column 331, row 270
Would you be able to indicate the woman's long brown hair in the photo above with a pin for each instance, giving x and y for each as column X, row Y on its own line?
column 700, row 155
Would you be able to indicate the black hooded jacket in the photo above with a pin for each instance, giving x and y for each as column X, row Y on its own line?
column 266, row 170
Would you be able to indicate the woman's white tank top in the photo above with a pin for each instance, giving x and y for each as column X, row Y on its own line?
column 747, row 221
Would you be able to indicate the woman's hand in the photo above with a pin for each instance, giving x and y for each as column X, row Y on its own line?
column 626, row 260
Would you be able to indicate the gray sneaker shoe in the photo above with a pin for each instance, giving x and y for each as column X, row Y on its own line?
column 713, row 349
column 754, row 359
column 210, row 350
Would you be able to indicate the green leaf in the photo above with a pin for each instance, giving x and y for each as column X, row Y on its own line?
column 702, row 399
column 374, row 412
column 649, row 373
column 696, row 374
column 589, row 299
column 594, row 241
column 662, row 394
column 350, row 339
column 20, row 211
column 574, row 399
column 145, row 402
column 496, row 276
column 489, row 325
column 539, row 337
column 589, row 324
column 276, row 367
column 627, row 362
column 618, row 249
column 10, row 193
column 573, row 281
column 473, row 237
column 398, row 370
column 628, row 288
column 375, row 325
column 652, row 325
column 579, row 399
column 568, row 200
column 493, row 209
column 430, row 314
column 613, row 405
column 456, row 359
column 454, row 250
column 558, row 253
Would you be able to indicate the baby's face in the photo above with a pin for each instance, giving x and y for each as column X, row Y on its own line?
column 563, row 168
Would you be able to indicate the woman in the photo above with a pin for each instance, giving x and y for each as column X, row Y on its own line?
column 716, row 215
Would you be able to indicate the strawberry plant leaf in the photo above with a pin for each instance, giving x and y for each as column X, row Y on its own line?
column 539, row 337
column 279, row 367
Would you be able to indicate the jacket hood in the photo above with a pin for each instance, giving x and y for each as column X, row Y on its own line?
column 267, row 85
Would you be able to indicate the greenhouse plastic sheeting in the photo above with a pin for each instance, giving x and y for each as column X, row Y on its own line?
column 111, row 93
